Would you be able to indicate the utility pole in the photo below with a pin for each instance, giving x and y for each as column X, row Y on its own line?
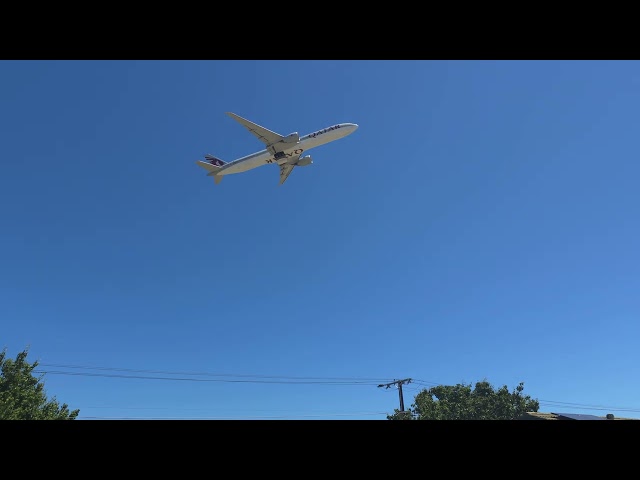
column 399, row 383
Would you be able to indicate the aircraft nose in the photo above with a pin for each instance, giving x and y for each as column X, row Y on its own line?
column 352, row 127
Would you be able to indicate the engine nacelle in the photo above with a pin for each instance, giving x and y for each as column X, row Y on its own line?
column 304, row 161
column 292, row 138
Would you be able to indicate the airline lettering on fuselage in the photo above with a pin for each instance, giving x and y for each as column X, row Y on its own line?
column 325, row 130
column 295, row 152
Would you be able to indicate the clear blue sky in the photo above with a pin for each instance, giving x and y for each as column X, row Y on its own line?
column 482, row 223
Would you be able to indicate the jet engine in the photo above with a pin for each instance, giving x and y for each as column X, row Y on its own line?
column 304, row 161
column 292, row 138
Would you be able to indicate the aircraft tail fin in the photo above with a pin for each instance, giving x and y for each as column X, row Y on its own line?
column 213, row 166
column 214, row 160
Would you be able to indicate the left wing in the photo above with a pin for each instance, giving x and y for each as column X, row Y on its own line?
column 285, row 171
column 264, row 135
column 287, row 167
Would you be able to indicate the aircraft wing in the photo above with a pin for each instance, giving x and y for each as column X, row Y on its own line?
column 285, row 171
column 264, row 135
column 287, row 167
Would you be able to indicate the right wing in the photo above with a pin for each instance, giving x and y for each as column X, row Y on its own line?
column 264, row 135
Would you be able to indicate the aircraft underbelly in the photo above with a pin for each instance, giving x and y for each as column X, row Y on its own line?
column 245, row 165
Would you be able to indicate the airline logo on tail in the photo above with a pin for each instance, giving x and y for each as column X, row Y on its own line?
column 214, row 161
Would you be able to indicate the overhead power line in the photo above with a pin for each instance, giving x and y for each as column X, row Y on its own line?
column 399, row 383
column 212, row 380
column 282, row 417
column 581, row 406
column 550, row 403
column 281, row 379
column 210, row 374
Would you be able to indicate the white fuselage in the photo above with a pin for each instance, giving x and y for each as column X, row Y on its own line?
column 265, row 157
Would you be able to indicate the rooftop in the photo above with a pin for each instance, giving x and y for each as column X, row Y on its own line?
column 569, row 416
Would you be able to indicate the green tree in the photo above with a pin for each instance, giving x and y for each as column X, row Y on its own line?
column 461, row 402
column 22, row 396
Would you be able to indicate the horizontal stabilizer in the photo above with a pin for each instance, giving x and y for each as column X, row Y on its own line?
column 212, row 169
column 208, row 167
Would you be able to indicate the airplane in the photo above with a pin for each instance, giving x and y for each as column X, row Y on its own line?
column 281, row 150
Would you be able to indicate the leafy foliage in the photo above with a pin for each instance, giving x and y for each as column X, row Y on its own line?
column 22, row 396
column 461, row 402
